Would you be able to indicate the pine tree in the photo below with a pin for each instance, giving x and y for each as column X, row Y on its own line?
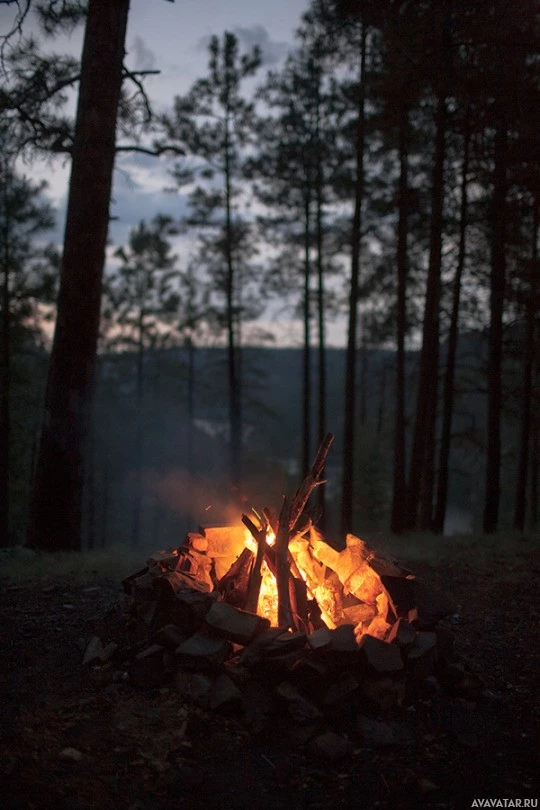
column 213, row 123
column 27, row 278
column 142, row 299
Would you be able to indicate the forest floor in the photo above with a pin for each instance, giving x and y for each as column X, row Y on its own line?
column 70, row 742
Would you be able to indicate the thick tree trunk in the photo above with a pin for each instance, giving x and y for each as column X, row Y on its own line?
column 55, row 516
column 5, row 377
column 448, row 395
column 350, row 362
column 497, row 292
column 306, row 354
column 398, row 520
column 528, row 365
column 422, row 467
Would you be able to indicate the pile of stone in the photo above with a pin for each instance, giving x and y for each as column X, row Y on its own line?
column 182, row 630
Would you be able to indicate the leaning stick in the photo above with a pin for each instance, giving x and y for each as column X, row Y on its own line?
column 282, row 566
column 310, row 482
column 255, row 579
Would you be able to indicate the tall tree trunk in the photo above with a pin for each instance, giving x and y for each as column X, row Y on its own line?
column 190, row 408
column 364, row 372
column 528, row 365
column 319, row 238
column 91, row 485
column 138, row 439
column 105, row 497
column 422, row 467
column 5, row 373
column 448, row 395
column 350, row 362
column 398, row 519
column 55, row 515
column 535, row 464
column 497, row 292
column 382, row 400
column 235, row 427
column 321, row 326
column 306, row 355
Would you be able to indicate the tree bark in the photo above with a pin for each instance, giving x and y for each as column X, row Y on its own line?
column 55, row 515
column 382, row 400
column 497, row 292
column 5, row 374
column 235, row 427
column 399, row 483
column 350, row 362
column 421, row 472
column 138, row 436
column 319, row 228
column 306, row 356
column 528, row 364
column 448, row 395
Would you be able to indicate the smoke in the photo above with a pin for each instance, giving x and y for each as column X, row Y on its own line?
column 199, row 500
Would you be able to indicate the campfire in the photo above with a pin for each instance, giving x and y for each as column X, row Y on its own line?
column 270, row 601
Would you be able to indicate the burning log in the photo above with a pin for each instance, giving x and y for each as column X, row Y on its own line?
column 255, row 580
column 234, row 586
column 282, row 566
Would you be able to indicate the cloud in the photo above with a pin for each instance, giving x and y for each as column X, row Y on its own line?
column 272, row 50
column 145, row 59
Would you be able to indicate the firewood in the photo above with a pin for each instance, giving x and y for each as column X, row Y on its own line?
column 255, row 579
column 271, row 519
column 282, row 565
column 299, row 606
column 234, row 585
column 310, row 482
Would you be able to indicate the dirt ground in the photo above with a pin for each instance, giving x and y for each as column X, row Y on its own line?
column 69, row 741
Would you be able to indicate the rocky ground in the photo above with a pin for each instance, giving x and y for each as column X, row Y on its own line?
column 72, row 738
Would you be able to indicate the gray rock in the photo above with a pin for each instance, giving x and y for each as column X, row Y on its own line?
column 422, row 656
column 234, row 624
column 299, row 708
column 203, row 652
column 224, row 694
column 320, row 638
column 147, row 669
column 330, row 747
column 170, row 636
column 379, row 734
column 70, row 755
column 194, row 686
column 379, row 656
column 96, row 651
column 341, row 691
column 273, row 651
column 343, row 640
column 402, row 633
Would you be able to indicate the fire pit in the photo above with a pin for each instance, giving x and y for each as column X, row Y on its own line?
column 269, row 608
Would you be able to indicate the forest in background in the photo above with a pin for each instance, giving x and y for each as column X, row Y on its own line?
column 387, row 173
